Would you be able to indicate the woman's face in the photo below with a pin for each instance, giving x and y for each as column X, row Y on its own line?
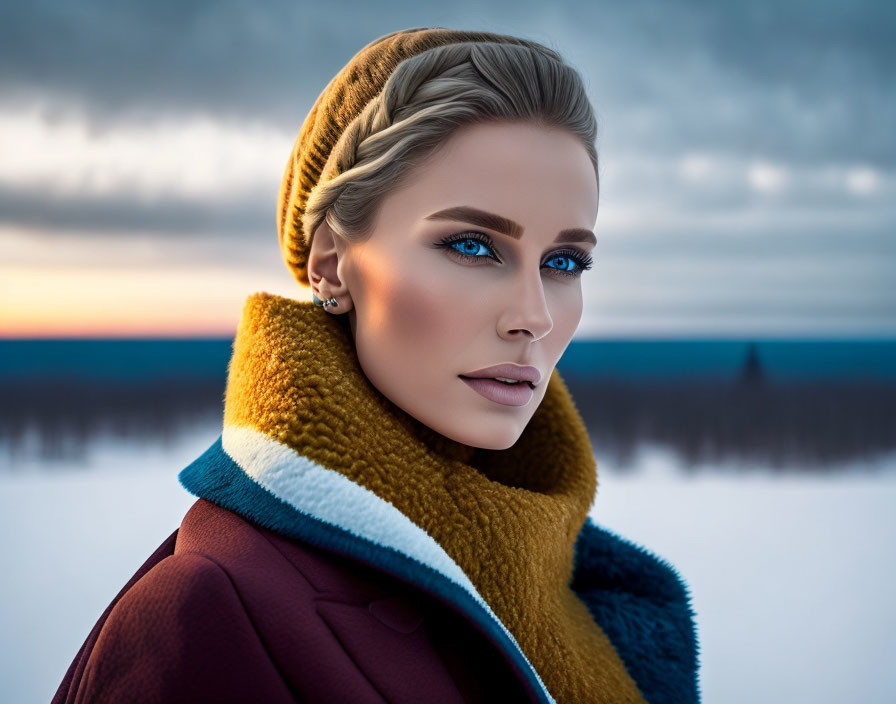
column 473, row 261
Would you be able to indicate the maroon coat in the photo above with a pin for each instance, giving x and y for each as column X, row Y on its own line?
column 256, row 599
column 228, row 611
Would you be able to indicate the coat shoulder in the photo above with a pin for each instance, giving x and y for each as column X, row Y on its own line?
column 141, row 653
column 644, row 606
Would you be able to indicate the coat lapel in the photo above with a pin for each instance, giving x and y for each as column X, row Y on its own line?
column 275, row 487
column 639, row 599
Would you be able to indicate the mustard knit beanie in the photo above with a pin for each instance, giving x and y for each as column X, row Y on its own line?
column 342, row 101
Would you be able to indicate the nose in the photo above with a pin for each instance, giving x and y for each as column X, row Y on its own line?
column 526, row 312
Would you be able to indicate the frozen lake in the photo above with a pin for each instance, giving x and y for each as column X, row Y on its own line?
column 790, row 572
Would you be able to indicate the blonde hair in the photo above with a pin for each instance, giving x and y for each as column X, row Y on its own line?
column 425, row 99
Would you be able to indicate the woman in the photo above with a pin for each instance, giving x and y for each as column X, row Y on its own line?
column 397, row 508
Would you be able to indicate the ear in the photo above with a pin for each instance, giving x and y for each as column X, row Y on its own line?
column 327, row 250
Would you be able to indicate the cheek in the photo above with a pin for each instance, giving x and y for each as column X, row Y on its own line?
column 430, row 319
column 569, row 314
column 409, row 311
column 566, row 313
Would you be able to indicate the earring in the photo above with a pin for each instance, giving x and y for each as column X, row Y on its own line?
column 324, row 304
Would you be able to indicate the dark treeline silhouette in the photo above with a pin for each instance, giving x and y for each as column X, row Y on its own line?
column 805, row 424
column 810, row 423
column 801, row 425
column 752, row 373
column 56, row 399
column 59, row 418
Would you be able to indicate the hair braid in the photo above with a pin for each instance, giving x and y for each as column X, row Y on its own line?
column 478, row 77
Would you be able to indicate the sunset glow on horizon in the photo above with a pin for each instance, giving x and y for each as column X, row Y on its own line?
column 50, row 303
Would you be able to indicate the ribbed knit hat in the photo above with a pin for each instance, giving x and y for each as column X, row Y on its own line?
column 342, row 101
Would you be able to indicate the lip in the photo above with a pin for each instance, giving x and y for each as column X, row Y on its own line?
column 499, row 392
column 507, row 370
column 482, row 382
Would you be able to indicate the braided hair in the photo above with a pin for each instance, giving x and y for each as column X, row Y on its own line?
column 424, row 99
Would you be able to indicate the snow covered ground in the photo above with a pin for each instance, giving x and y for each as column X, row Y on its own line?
column 791, row 575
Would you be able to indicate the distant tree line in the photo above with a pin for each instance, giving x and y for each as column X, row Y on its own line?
column 798, row 424
column 812, row 425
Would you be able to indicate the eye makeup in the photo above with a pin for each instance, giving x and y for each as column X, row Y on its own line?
column 582, row 261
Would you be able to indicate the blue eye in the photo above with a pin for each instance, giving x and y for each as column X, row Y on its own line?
column 572, row 262
column 471, row 246
column 477, row 245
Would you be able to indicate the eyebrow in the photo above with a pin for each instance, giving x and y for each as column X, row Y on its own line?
column 474, row 216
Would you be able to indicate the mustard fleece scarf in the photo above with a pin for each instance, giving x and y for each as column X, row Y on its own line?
column 508, row 518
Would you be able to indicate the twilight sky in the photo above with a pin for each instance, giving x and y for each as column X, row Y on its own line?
column 748, row 157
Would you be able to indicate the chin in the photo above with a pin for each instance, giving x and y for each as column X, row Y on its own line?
column 499, row 437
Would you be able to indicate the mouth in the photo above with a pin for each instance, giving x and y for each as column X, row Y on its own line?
column 508, row 373
column 506, row 393
column 501, row 380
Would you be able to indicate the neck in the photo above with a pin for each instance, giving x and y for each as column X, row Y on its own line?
column 443, row 446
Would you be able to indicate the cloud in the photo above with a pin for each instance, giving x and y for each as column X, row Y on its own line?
column 194, row 157
column 194, row 175
column 863, row 180
column 65, row 216
column 796, row 80
column 748, row 159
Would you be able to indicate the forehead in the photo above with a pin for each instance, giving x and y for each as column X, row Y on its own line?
column 541, row 177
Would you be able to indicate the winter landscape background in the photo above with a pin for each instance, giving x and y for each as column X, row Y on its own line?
column 768, row 484
column 735, row 363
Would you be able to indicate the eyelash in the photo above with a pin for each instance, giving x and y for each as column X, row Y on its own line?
column 583, row 263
